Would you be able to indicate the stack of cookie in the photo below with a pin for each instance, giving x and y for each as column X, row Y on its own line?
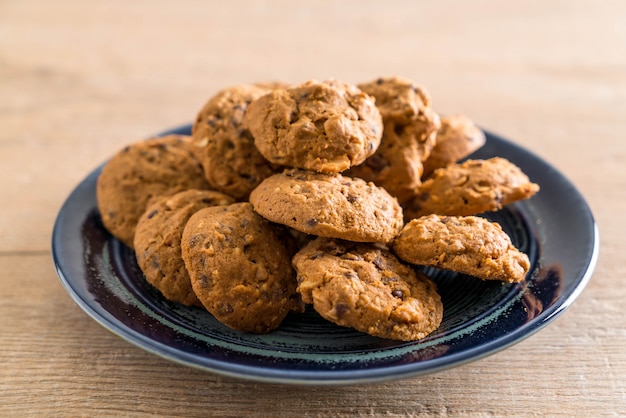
column 292, row 195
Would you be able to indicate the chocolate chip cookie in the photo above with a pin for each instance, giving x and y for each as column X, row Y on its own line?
column 457, row 138
column 410, row 129
column 141, row 171
column 365, row 287
column 469, row 245
column 328, row 205
column 239, row 268
column 321, row 126
column 470, row 188
column 232, row 164
column 157, row 241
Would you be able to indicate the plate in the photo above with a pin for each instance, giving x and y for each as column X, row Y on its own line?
column 555, row 228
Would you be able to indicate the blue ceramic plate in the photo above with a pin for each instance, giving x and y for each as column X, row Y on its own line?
column 555, row 228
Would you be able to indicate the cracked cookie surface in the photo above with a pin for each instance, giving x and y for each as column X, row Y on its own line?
column 410, row 129
column 469, row 245
column 141, row 171
column 232, row 163
column 243, row 284
column 157, row 241
column 329, row 205
column 470, row 188
column 365, row 287
column 457, row 138
column 321, row 126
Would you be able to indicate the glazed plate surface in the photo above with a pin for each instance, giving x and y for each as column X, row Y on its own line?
column 555, row 228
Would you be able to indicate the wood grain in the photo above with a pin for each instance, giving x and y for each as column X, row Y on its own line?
column 79, row 80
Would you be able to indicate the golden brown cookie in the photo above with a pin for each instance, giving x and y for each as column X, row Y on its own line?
column 321, row 126
column 328, row 205
column 470, row 245
column 410, row 129
column 457, row 138
column 146, row 169
column 239, row 268
column 365, row 287
column 157, row 241
column 470, row 188
column 400, row 100
column 231, row 162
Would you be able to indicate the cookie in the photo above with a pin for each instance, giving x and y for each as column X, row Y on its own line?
column 239, row 268
column 232, row 164
column 365, row 287
column 410, row 129
column 457, row 138
column 321, row 126
column 469, row 245
column 396, row 166
column 470, row 188
column 157, row 241
column 328, row 205
column 400, row 100
column 146, row 169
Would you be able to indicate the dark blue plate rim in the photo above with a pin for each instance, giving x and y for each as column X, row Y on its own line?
column 584, row 240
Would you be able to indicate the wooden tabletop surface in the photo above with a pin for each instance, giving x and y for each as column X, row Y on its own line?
column 79, row 80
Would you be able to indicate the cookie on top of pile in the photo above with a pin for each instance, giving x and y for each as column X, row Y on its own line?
column 324, row 193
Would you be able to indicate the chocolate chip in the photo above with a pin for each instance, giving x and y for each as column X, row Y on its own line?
column 211, row 122
column 379, row 263
column 226, row 307
column 341, row 309
column 152, row 213
column 204, row 281
column 312, row 222
column 376, row 162
column 398, row 294
column 316, row 255
column 398, row 129
column 352, row 198
column 195, row 240
column 380, row 81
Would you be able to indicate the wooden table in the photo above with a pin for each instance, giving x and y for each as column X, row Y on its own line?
column 79, row 80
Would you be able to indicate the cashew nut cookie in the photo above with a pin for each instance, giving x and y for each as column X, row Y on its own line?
column 157, row 241
column 470, row 188
column 143, row 170
column 321, row 126
column 232, row 164
column 410, row 130
column 469, row 245
column 328, row 205
column 239, row 268
column 365, row 287
column 457, row 138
